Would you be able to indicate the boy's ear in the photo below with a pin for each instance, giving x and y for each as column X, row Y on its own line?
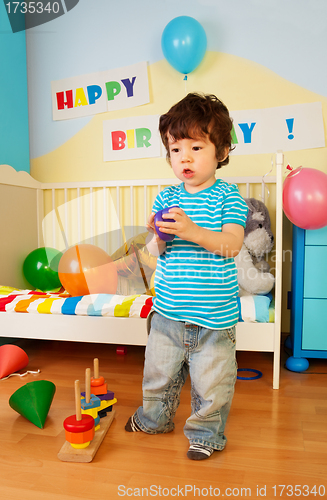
column 226, row 153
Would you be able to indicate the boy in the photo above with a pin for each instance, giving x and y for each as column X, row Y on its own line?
column 195, row 308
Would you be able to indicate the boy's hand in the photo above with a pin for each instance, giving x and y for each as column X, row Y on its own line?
column 150, row 225
column 155, row 245
column 226, row 243
column 183, row 227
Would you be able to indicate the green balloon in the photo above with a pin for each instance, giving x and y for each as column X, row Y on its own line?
column 40, row 268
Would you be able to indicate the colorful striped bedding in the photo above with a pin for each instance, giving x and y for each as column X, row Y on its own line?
column 28, row 301
column 254, row 308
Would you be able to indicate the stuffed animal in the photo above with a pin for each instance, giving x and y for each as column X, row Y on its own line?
column 253, row 271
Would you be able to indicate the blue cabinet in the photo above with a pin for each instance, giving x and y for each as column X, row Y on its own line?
column 309, row 297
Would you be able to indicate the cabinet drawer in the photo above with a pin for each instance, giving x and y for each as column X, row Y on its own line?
column 314, row 333
column 315, row 272
column 316, row 236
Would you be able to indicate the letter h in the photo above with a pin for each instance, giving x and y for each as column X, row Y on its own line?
column 61, row 99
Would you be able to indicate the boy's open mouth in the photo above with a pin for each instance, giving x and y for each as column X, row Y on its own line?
column 187, row 172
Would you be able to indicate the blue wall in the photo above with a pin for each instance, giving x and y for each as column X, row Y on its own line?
column 14, row 136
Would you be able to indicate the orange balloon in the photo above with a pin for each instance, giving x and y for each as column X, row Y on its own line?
column 85, row 269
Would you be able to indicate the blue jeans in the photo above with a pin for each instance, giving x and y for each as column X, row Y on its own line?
column 175, row 349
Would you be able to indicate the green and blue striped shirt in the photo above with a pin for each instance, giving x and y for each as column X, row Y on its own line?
column 191, row 283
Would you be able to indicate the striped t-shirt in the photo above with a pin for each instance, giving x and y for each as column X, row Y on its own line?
column 191, row 283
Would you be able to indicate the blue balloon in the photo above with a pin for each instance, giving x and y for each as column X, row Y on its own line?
column 184, row 43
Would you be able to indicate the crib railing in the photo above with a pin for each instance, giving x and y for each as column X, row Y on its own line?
column 107, row 213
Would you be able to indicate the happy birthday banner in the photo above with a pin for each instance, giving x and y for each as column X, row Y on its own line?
column 286, row 128
column 100, row 92
column 131, row 138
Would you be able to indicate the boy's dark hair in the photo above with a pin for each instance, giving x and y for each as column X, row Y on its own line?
column 198, row 116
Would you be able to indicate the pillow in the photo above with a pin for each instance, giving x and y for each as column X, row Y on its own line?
column 254, row 308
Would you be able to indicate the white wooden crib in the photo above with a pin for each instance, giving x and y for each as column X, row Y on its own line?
column 92, row 211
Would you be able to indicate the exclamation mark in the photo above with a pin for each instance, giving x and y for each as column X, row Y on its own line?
column 290, row 124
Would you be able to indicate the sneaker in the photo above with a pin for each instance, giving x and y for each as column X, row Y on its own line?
column 131, row 425
column 199, row 452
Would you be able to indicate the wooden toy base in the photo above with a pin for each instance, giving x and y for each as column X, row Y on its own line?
column 70, row 454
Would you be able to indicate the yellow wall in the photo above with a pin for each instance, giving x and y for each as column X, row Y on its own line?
column 238, row 82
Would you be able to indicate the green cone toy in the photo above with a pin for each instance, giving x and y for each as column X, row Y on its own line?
column 33, row 401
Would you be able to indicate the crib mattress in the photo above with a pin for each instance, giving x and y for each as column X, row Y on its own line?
column 254, row 308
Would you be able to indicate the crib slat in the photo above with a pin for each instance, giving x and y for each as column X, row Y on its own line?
column 78, row 215
column 91, row 216
column 145, row 204
column 105, row 231
column 118, row 213
column 131, row 193
column 53, row 207
column 41, row 230
column 263, row 192
column 66, row 219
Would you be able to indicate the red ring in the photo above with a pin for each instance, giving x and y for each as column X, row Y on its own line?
column 73, row 425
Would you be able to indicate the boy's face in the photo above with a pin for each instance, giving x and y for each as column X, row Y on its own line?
column 194, row 162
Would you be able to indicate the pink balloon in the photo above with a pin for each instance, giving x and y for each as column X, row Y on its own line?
column 305, row 198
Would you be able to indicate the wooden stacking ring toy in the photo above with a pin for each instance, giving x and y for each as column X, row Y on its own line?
column 79, row 429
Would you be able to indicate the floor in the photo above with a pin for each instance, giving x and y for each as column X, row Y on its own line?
column 277, row 439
